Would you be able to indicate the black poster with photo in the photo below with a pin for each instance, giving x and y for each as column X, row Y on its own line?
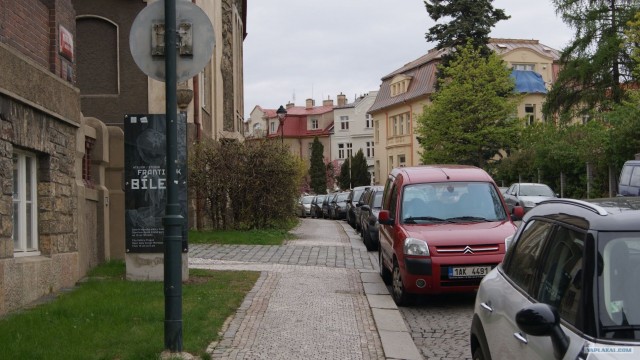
column 145, row 180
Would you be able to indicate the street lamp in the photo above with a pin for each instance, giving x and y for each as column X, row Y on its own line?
column 281, row 115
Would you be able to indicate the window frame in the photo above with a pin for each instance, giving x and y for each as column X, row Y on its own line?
column 24, row 246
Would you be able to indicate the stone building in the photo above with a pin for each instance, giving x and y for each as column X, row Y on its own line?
column 67, row 80
column 53, row 216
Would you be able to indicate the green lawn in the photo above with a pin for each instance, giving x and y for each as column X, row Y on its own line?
column 236, row 237
column 107, row 317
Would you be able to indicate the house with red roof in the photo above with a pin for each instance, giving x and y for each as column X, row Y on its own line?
column 300, row 126
column 405, row 92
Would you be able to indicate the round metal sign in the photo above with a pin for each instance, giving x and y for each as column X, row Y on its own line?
column 196, row 41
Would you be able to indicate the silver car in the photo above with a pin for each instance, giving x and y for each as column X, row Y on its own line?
column 568, row 287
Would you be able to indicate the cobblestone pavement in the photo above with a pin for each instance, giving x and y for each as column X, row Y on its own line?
column 439, row 325
column 308, row 303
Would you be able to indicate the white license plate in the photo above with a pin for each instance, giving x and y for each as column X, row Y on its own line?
column 469, row 271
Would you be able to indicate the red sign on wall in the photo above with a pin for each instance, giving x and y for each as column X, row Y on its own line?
column 65, row 42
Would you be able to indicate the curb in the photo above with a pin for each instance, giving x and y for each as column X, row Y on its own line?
column 396, row 339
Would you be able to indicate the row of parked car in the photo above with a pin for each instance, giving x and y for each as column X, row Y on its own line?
column 329, row 206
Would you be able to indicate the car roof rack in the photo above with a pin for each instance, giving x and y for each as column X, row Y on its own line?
column 586, row 205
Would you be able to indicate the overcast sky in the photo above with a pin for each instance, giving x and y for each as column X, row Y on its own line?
column 299, row 49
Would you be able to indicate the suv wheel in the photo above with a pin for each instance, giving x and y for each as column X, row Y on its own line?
column 478, row 355
column 384, row 272
column 398, row 293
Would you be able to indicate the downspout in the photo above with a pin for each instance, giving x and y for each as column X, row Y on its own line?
column 411, row 133
column 196, row 122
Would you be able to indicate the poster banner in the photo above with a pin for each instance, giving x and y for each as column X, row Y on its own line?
column 145, row 181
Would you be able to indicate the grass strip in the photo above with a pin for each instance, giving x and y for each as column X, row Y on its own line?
column 108, row 317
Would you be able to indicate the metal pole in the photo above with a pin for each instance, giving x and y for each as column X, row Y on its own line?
column 172, row 220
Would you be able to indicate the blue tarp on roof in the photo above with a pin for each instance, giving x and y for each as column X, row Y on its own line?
column 528, row 82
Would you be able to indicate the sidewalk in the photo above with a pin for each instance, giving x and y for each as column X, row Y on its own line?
column 318, row 297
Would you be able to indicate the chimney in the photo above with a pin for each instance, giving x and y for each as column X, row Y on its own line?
column 328, row 102
column 290, row 105
column 342, row 100
column 310, row 103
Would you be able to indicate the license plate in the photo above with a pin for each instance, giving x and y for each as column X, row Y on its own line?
column 469, row 271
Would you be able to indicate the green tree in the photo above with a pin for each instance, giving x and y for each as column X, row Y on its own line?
column 317, row 169
column 467, row 20
column 360, row 175
column 596, row 61
column 471, row 117
column 344, row 178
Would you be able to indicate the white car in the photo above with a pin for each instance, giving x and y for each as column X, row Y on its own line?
column 527, row 195
column 568, row 287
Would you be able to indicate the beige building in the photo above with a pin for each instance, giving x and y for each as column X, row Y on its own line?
column 404, row 93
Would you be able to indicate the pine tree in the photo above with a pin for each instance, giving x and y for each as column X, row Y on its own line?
column 596, row 61
column 360, row 175
column 468, row 21
column 344, row 178
column 317, row 170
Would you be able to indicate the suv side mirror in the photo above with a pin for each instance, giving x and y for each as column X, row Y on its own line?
column 384, row 218
column 543, row 320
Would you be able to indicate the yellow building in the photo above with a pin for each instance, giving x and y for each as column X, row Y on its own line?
column 405, row 91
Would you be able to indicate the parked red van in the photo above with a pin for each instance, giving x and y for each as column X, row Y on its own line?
column 442, row 229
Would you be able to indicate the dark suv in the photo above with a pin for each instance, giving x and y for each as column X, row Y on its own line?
column 352, row 204
column 568, row 286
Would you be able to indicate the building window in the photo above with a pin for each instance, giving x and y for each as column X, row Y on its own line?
column 394, row 130
column 376, row 131
column 370, row 149
column 87, row 176
column 272, row 127
column 401, row 160
column 340, row 151
column 407, row 120
column 530, row 113
column 585, row 119
column 344, row 123
column 314, row 124
column 525, row 67
column 25, row 205
column 310, row 150
column 368, row 121
column 349, row 150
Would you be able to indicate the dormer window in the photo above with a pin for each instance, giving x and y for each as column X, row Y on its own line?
column 525, row 67
column 400, row 84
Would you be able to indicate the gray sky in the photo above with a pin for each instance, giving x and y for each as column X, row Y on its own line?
column 299, row 49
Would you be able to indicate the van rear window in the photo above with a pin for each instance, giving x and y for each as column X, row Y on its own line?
column 625, row 176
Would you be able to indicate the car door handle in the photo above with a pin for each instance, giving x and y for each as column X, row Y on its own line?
column 486, row 307
column 520, row 337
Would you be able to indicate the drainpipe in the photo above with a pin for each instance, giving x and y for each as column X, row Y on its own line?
column 196, row 122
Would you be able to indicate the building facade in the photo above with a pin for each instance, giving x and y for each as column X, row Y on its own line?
column 405, row 92
column 112, row 85
column 53, row 159
column 353, row 131
column 67, row 81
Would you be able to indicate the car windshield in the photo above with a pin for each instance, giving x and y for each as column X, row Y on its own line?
column 342, row 197
column 307, row 199
column 535, row 190
column 357, row 194
column 618, row 289
column 451, row 202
